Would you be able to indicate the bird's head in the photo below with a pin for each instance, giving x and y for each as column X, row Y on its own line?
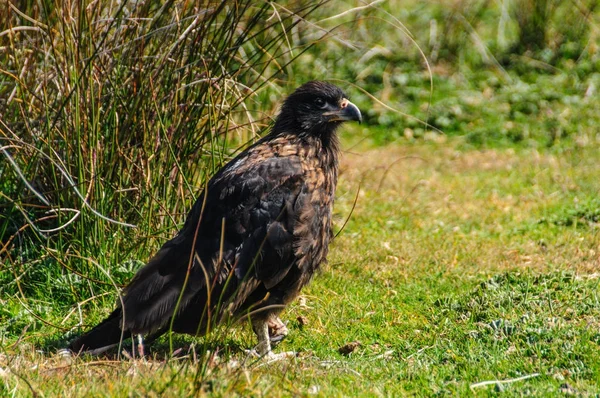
column 316, row 108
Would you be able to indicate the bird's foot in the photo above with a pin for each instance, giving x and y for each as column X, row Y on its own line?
column 270, row 356
column 65, row 353
column 263, row 349
column 277, row 330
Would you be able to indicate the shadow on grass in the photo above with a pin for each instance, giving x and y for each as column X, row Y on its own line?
column 163, row 348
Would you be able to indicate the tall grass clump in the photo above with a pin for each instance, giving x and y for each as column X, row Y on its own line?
column 112, row 115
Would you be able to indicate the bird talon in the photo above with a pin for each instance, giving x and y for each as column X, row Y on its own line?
column 277, row 338
column 277, row 330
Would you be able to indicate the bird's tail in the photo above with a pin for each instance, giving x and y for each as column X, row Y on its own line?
column 105, row 335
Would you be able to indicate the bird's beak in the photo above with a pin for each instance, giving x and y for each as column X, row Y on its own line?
column 348, row 111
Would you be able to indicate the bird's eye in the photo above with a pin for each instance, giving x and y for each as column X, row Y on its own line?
column 320, row 102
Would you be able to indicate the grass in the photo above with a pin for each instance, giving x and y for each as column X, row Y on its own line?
column 457, row 266
column 108, row 109
column 472, row 252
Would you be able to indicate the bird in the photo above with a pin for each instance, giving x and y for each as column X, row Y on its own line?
column 256, row 235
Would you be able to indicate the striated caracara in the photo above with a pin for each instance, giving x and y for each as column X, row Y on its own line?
column 252, row 240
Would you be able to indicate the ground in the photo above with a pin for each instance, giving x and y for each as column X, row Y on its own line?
column 457, row 266
column 470, row 264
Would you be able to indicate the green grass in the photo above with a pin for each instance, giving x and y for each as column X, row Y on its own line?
column 457, row 266
column 472, row 253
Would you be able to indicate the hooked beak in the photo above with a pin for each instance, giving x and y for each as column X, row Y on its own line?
column 348, row 111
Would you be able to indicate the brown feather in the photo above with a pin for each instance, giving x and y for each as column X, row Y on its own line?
column 254, row 237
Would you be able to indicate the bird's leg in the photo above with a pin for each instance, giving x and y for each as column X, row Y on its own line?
column 263, row 349
column 277, row 329
column 140, row 345
column 261, row 328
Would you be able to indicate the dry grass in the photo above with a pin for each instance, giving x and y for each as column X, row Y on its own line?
column 480, row 199
column 457, row 266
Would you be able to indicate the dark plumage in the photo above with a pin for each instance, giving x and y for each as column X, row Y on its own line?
column 252, row 240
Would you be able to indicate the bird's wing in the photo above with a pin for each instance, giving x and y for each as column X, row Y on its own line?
column 261, row 216
column 246, row 217
column 260, row 224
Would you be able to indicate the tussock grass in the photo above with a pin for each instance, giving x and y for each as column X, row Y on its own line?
column 112, row 114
